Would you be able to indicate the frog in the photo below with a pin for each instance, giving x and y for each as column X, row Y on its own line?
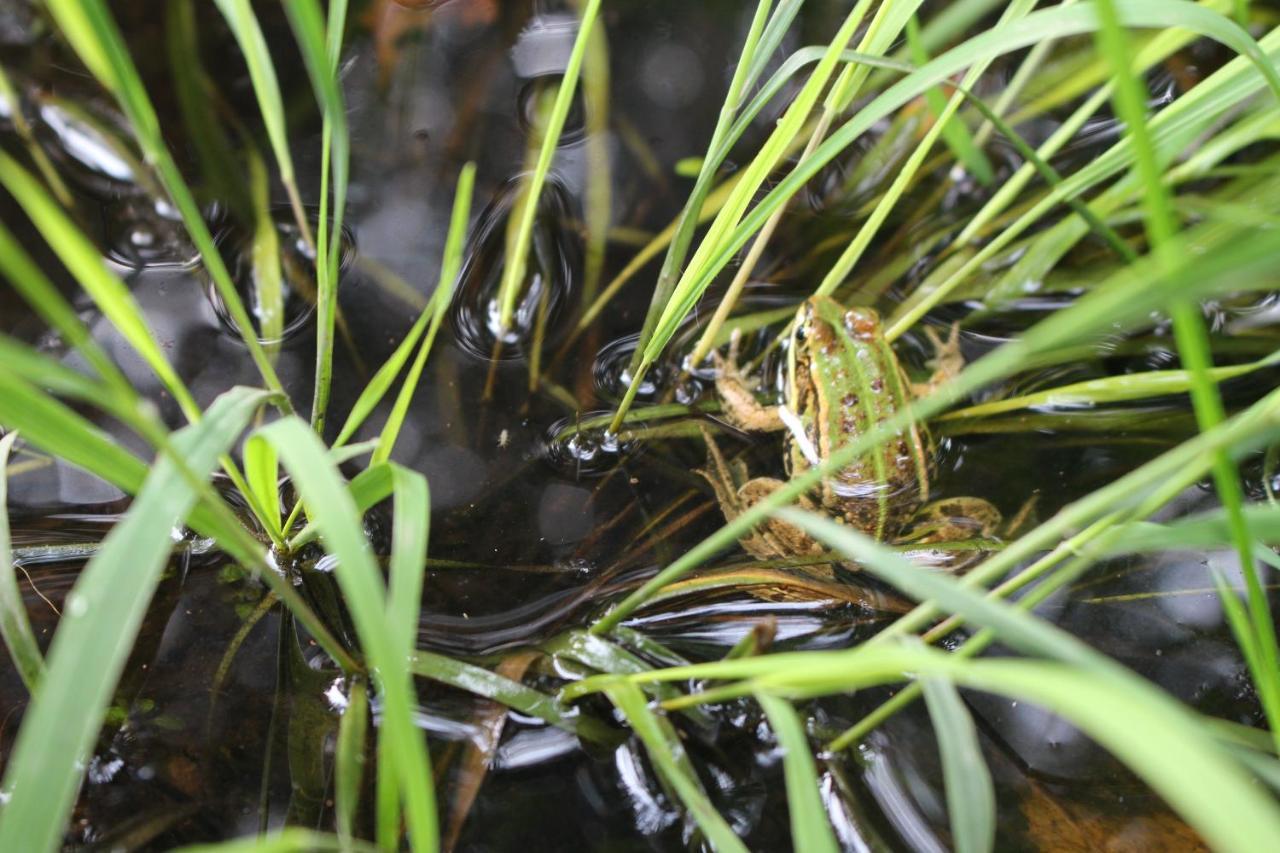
column 843, row 378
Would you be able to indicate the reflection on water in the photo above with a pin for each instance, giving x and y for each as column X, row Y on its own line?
column 224, row 715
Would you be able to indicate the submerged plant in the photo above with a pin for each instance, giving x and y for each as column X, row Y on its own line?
column 1178, row 206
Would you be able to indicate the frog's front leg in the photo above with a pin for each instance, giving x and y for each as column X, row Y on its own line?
column 953, row 520
column 737, row 399
column 947, row 361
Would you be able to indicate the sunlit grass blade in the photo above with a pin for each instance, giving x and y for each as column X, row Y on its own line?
column 517, row 260
column 410, row 529
column 15, row 627
column 348, row 771
column 91, row 30
column 320, row 48
column 667, row 754
column 244, row 25
column 338, row 520
column 101, row 618
column 449, row 266
column 971, row 797
column 810, row 827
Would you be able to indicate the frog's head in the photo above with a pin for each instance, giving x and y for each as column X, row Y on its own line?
column 822, row 321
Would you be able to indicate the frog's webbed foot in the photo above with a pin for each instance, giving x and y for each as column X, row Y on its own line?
column 947, row 361
column 954, row 520
column 737, row 400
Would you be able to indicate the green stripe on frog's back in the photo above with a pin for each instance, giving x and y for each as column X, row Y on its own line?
column 857, row 383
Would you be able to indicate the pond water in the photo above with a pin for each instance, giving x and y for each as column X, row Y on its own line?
column 226, row 717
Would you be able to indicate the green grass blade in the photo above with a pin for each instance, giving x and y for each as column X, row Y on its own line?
column 15, row 627
column 337, row 519
column 810, row 827
column 410, row 528
column 92, row 32
column 319, row 53
column 517, row 258
column 954, row 133
column 219, row 165
column 348, row 771
column 513, row 694
column 262, row 73
column 668, row 756
column 102, row 616
column 449, row 266
column 971, row 797
column 268, row 280
column 262, row 472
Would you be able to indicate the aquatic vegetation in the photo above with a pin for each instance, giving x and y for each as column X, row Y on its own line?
column 1084, row 194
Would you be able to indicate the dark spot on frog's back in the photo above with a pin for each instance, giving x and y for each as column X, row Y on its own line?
column 877, row 384
column 849, row 401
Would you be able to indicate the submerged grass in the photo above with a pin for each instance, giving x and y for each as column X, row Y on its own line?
column 838, row 95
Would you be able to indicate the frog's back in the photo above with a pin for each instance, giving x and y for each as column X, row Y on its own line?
column 854, row 383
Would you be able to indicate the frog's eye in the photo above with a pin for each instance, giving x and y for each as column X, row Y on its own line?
column 800, row 333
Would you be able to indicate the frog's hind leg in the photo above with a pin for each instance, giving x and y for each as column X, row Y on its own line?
column 950, row 521
column 774, row 538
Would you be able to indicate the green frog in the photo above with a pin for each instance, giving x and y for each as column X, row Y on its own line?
column 842, row 379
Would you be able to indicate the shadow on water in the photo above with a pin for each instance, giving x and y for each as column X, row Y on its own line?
column 225, row 718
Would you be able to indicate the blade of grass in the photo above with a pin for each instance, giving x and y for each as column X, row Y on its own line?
column 320, row 44
column 268, row 280
column 513, row 694
column 513, row 272
column 955, row 134
column 290, row 840
column 102, row 616
column 348, row 771
column 262, row 73
column 262, row 472
column 449, row 266
column 358, row 577
column 810, row 827
column 971, row 797
column 667, row 754
column 15, row 627
column 196, row 93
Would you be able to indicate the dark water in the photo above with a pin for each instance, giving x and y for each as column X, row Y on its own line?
column 226, row 717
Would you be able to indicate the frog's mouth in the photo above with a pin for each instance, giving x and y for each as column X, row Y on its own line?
column 792, row 422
